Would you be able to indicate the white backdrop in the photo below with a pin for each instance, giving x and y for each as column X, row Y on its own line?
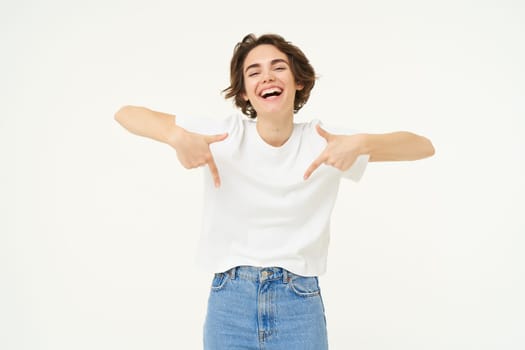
column 99, row 227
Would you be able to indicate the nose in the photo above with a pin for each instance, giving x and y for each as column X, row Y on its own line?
column 268, row 76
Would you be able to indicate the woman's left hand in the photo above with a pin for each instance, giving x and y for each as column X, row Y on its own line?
column 341, row 151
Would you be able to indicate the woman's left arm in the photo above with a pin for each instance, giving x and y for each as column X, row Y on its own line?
column 401, row 145
column 342, row 150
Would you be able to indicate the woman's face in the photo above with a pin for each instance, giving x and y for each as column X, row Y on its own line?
column 268, row 81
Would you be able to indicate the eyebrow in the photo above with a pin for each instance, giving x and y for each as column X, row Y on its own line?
column 273, row 62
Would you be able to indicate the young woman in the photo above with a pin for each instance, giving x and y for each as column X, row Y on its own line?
column 269, row 193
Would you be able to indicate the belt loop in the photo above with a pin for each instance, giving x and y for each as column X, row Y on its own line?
column 285, row 276
column 232, row 272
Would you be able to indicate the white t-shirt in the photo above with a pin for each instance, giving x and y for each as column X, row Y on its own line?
column 265, row 213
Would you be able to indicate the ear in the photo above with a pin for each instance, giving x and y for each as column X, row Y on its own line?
column 299, row 86
column 244, row 96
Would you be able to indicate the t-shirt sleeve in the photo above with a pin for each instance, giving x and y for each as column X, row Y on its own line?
column 357, row 169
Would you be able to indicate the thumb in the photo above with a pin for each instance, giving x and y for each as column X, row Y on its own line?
column 325, row 134
column 216, row 138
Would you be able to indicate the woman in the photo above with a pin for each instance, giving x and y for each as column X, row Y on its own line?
column 269, row 193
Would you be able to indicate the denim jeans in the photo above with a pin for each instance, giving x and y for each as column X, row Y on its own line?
column 264, row 308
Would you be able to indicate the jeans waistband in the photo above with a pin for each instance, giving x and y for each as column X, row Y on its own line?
column 260, row 274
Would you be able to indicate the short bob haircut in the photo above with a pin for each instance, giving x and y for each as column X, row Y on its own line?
column 302, row 70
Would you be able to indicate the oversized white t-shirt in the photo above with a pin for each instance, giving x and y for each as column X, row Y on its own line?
column 265, row 213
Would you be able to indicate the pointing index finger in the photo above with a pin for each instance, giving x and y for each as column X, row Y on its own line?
column 214, row 173
column 315, row 164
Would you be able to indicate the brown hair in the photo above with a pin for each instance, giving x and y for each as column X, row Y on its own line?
column 301, row 68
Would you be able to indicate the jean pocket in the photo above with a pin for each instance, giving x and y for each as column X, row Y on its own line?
column 304, row 286
column 219, row 281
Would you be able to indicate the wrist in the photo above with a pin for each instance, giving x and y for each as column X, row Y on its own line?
column 173, row 135
column 364, row 144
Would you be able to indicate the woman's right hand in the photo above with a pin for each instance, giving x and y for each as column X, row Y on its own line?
column 193, row 150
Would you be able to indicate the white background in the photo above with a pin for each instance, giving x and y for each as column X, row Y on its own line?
column 99, row 227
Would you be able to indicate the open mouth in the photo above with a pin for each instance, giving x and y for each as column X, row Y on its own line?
column 271, row 92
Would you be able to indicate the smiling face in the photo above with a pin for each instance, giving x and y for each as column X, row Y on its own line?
column 269, row 83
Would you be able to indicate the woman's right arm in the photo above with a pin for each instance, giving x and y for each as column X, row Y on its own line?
column 193, row 150
column 145, row 122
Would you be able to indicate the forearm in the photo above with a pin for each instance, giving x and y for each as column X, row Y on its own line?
column 396, row 146
column 148, row 123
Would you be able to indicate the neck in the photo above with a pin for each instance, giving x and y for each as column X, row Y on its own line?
column 275, row 130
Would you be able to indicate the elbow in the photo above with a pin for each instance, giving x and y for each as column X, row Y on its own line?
column 121, row 114
column 429, row 148
column 422, row 148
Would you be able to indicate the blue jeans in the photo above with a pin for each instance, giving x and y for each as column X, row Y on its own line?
column 264, row 308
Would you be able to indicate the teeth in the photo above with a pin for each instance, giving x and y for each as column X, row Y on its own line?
column 266, row 92
column 269, row 91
